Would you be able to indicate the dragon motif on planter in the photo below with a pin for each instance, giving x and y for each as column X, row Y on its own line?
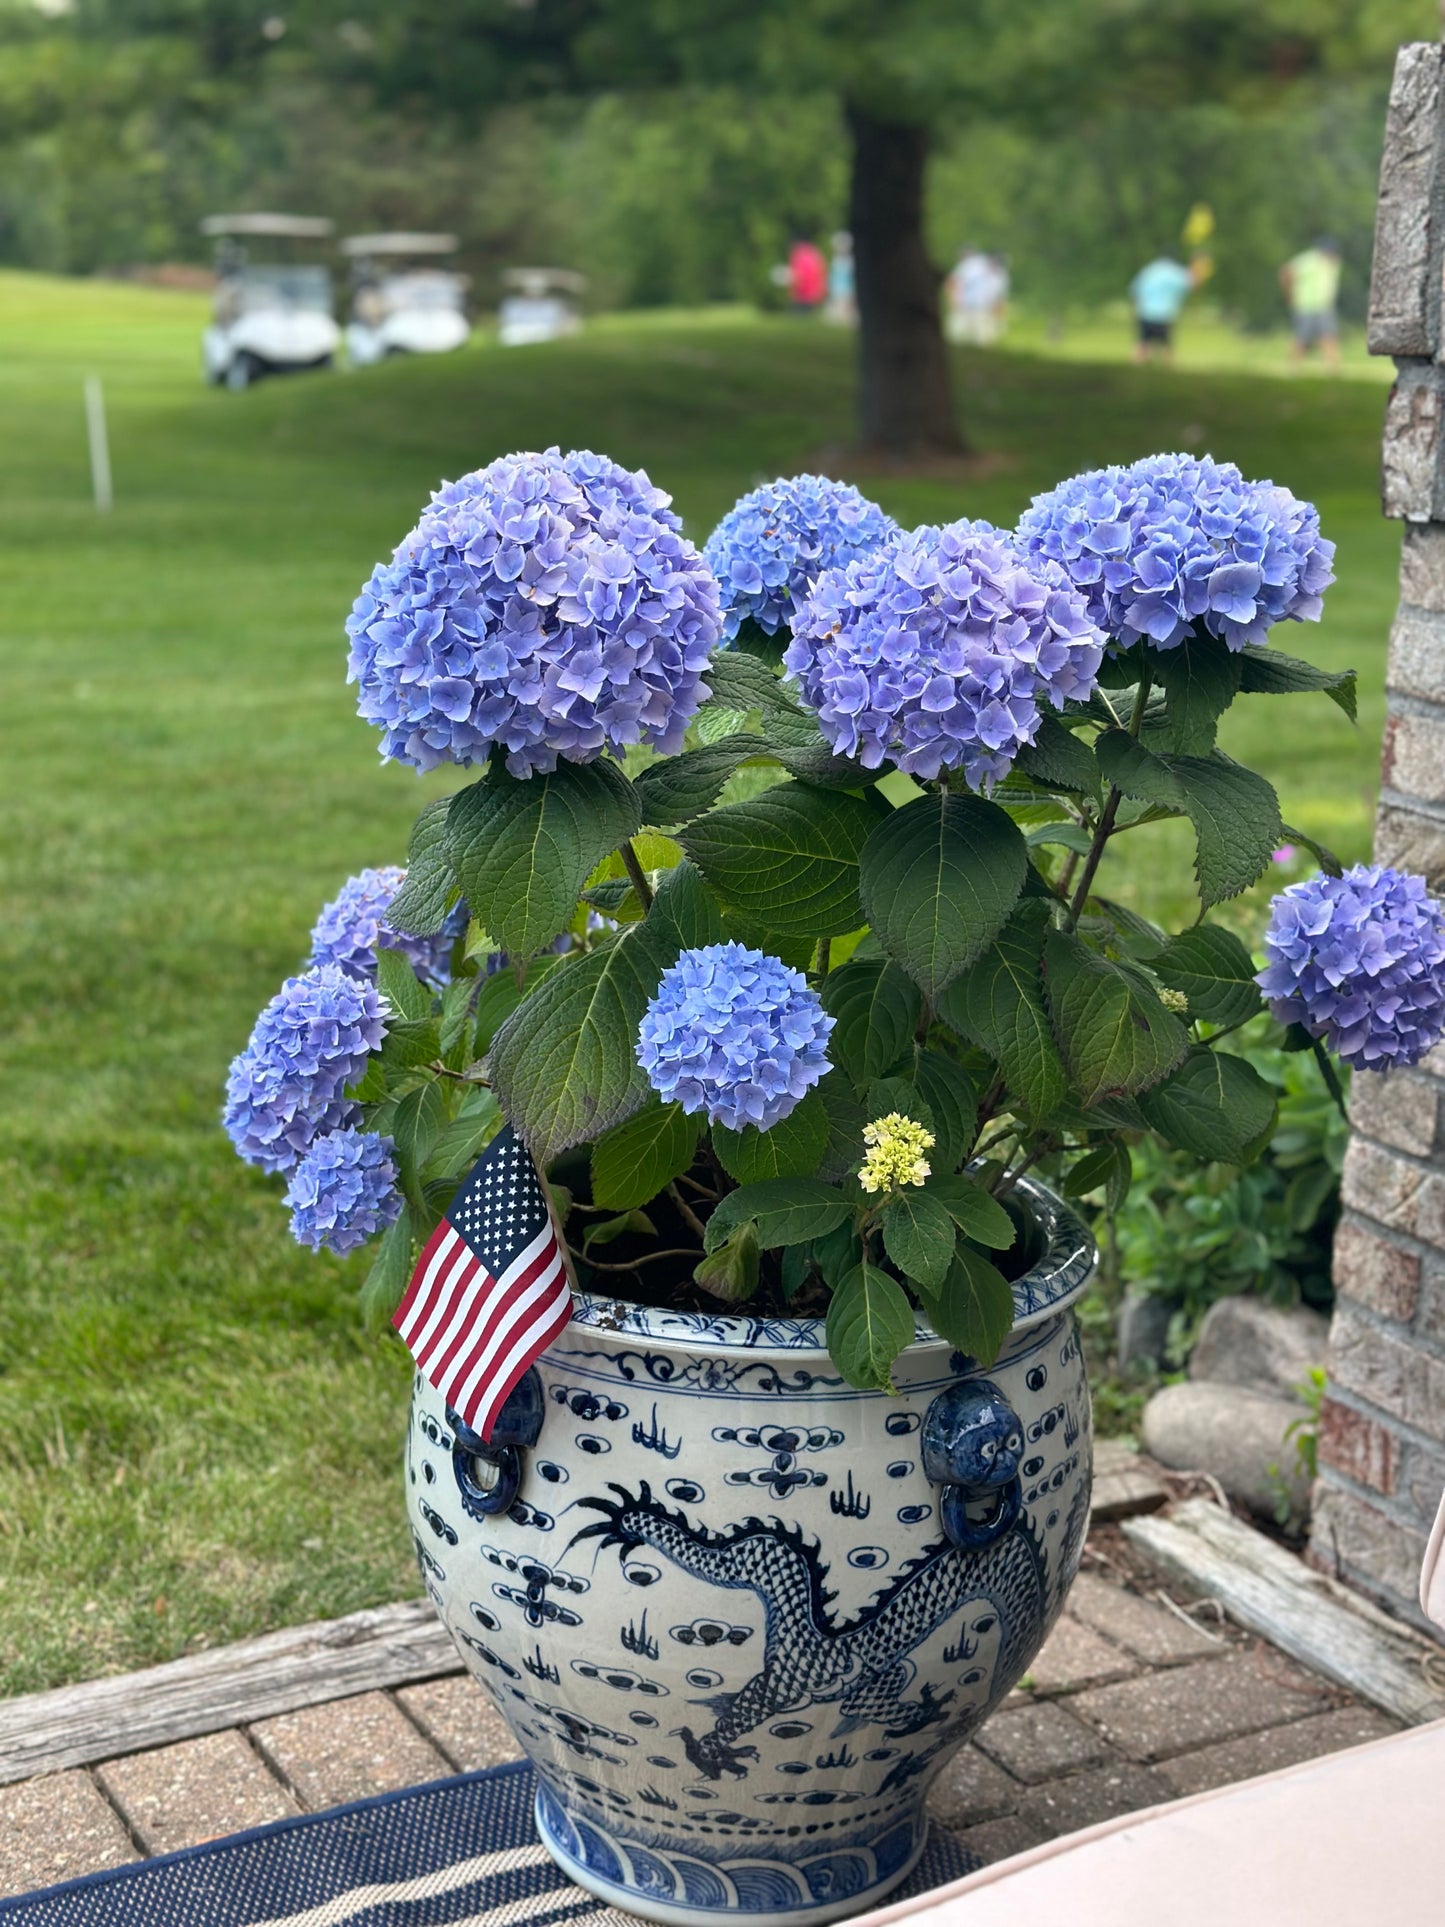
column 863, row 1663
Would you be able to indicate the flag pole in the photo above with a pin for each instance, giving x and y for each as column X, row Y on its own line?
column 99, row 445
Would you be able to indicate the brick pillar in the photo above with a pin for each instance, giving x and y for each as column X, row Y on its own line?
column 1382, row 1431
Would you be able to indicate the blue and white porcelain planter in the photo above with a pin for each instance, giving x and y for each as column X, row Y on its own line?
column 739, row 1614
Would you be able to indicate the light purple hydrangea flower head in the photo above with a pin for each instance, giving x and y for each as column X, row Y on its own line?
column 353, row 926
column 344, row 1190
column 735, row 1033
column 1359, row 961
column 775, row 542
column 1178, row 542
column 548, row 605
column 288, row 1084
column 936, row 651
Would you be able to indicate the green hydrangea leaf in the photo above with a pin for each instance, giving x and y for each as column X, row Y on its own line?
column 637, row 1159
column 939, row 878
column 564, row 1064
column 1059, row 760
column 390, row 1272
column 397, row 982
column 918, row 1236
column 870, row 1321
column 1273, row 673
column 1200, row 678
column 974, row 1308
column 999, row 1005
column 1235, row 813
column 1213, row 970
column 731, row 1272
column 1214, row 1106
column 947, row 1090
column 522, row 849
column 791, row 1148
column 977, row 1215
column 1114, row 1035
column 876, row 1007
column 420, row 906
column 786, row 861
column 787, row 1211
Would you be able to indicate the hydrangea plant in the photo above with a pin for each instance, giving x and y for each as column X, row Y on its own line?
column 787, row 971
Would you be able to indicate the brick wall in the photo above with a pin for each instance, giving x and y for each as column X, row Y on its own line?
column 1382, row 1430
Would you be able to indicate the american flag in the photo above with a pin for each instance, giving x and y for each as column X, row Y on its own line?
column 490, row 1291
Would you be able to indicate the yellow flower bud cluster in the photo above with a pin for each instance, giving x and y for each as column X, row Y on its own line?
column 1174, row 1000
column 895, row 1153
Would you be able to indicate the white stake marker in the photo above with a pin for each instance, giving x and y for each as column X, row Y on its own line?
column 99, row 444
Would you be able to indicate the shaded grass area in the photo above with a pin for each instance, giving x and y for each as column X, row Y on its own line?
column 196, row 1441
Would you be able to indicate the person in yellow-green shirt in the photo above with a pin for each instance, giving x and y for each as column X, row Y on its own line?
column 1311, row 283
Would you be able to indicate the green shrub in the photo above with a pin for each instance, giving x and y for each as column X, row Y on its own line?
column 1194, row 1233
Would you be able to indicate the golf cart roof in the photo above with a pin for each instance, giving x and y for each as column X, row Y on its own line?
column 400, row 244
column 539, row 281
column 297, row 227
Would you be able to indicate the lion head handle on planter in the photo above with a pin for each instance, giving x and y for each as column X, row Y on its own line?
column 973, row 1441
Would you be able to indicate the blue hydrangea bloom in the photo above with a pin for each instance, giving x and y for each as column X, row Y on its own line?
column 1359, row 961
column 309, row 1043
column 734, row 1033
column 353, row 926
column 774, row 543
column 344, row 1191
column 547, row 604
column 1178, row 541
column 936, row 651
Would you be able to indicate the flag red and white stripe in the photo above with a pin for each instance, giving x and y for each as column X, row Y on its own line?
column 490, row 1291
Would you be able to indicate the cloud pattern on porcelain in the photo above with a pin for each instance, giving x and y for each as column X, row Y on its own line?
column 749, row 1707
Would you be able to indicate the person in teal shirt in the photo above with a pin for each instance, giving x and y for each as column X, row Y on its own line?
column 1158, row 292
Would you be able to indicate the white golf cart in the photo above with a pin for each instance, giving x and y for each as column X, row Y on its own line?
column 541, row 304
column 274, row 316
column 400, row 305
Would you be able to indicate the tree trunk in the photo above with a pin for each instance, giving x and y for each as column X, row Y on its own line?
column 905, row 401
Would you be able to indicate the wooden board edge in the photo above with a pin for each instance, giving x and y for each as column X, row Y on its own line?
column 1257, row 1584
column 223, row 1687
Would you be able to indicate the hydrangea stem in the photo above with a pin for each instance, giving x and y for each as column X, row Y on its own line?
column 636, row 874
column 1111, row 810
column 1332, row 1082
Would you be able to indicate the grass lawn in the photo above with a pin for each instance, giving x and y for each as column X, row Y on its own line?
column 196, row 1440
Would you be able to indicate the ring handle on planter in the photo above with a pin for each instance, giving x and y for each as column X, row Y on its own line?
column 488, row 1475
column 972, row 1441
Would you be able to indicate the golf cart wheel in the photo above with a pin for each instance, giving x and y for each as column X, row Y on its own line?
column 242, row 372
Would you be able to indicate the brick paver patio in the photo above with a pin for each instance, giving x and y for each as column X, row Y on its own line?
column 1132, row 1701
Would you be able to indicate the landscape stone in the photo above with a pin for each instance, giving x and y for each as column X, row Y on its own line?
column 1265, row 1348
column 1236, row 1435
column 1143, row 1327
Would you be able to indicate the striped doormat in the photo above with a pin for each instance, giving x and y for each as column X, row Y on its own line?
column 405, row 1860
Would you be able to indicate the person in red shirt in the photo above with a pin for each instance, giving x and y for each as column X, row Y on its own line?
column 807, row 276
